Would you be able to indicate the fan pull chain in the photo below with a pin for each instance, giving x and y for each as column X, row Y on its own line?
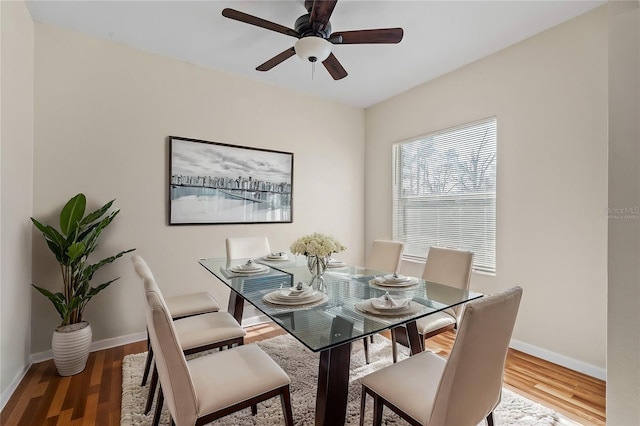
column 313, row 69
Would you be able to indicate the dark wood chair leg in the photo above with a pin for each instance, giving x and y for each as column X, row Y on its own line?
column 365, row 342
column 363, row 405
column 158, row 410
column 394, row 347
column 152, row 390
column 254, row 410
column 147, row 364
column 377, row 411
column 371, row 338
column 490, row 419
column 285, row 399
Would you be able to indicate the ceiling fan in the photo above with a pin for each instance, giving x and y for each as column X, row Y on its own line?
column 315, row 39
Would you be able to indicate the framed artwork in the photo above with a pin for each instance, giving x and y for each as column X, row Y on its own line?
column 216, row 183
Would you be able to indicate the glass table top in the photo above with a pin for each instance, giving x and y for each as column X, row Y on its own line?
column 332, row 317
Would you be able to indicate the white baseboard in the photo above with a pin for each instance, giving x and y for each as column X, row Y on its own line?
column 13, row 386
column 562, row 360
column 259, row 319
column 96, row 346
column 131, row 338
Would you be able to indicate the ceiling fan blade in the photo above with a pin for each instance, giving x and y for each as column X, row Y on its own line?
column 279, row 58
column 321, row 12
column 258, row 22
column 381, row 35
column 334, row 67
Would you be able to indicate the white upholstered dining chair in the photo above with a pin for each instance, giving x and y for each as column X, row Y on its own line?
column 385, row 255
column 212, row 386
column 427, row 390
column 195, row 334
column 247, row 247
column 450, row 267
column 182, row 306
column 252, row 247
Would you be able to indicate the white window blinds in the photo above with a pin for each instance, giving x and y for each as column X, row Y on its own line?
column 444, row 192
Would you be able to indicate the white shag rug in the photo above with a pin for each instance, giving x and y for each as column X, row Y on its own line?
column 302, row 367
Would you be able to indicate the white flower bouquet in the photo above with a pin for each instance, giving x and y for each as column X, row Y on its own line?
column 316, row 245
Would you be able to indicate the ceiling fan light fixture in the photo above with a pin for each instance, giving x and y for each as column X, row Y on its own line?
column 313, row 49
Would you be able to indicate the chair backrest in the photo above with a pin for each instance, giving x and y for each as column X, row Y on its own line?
column 243, row 247
column 385, row 256
column 471, row 383
column 450, row 267
column 173, row 373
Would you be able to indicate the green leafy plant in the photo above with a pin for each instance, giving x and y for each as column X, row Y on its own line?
column 72, row 245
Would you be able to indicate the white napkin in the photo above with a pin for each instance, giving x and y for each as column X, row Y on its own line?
column 294, row 292
column 389, row 302
column 392, row 279
column 246, row 268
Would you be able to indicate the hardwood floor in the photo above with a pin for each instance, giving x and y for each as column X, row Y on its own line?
column 93, row 397
column 575, row 395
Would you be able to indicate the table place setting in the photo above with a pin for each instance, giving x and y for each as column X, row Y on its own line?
column 335, row 263
column 394, row 280
column 249, row 268
column 299, row 296
column 276, row 257
column 388, row 305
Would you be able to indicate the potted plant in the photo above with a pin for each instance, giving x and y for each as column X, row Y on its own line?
column 71, row 245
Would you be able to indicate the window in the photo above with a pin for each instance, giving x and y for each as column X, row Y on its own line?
column 444, row 192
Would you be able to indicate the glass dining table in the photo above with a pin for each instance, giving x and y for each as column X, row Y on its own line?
column 342, row 312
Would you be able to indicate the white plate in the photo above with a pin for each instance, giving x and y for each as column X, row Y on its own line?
column 273, row 256
column 334, row 263
column 366, row 307
column 316, row 299
column 248, row 273
column 283, row 296
column 252, row 269
column 382, row 282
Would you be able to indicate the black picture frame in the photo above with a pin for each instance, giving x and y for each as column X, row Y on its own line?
column 212, row 183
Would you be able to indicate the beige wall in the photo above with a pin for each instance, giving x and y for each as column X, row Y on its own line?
column 16, row 178
column 623, row 326
column 549, row 94
column 103, row 113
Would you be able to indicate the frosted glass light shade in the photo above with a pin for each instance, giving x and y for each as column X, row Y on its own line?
column 313, row 49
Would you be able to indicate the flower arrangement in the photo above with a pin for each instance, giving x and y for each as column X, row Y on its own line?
column 316, row 245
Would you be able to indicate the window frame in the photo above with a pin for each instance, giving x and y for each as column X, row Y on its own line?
column 475, row 203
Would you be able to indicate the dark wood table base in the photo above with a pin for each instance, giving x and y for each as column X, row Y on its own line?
column 333, row 385
column 333, row 369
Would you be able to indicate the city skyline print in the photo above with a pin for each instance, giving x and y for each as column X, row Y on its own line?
column 217, row 183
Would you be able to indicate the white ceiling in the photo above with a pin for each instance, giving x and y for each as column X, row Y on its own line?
column 439, row 36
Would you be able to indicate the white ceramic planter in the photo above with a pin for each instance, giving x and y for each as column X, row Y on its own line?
column 70, row 345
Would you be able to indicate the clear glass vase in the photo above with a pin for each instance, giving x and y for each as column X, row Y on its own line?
column 317, row 266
